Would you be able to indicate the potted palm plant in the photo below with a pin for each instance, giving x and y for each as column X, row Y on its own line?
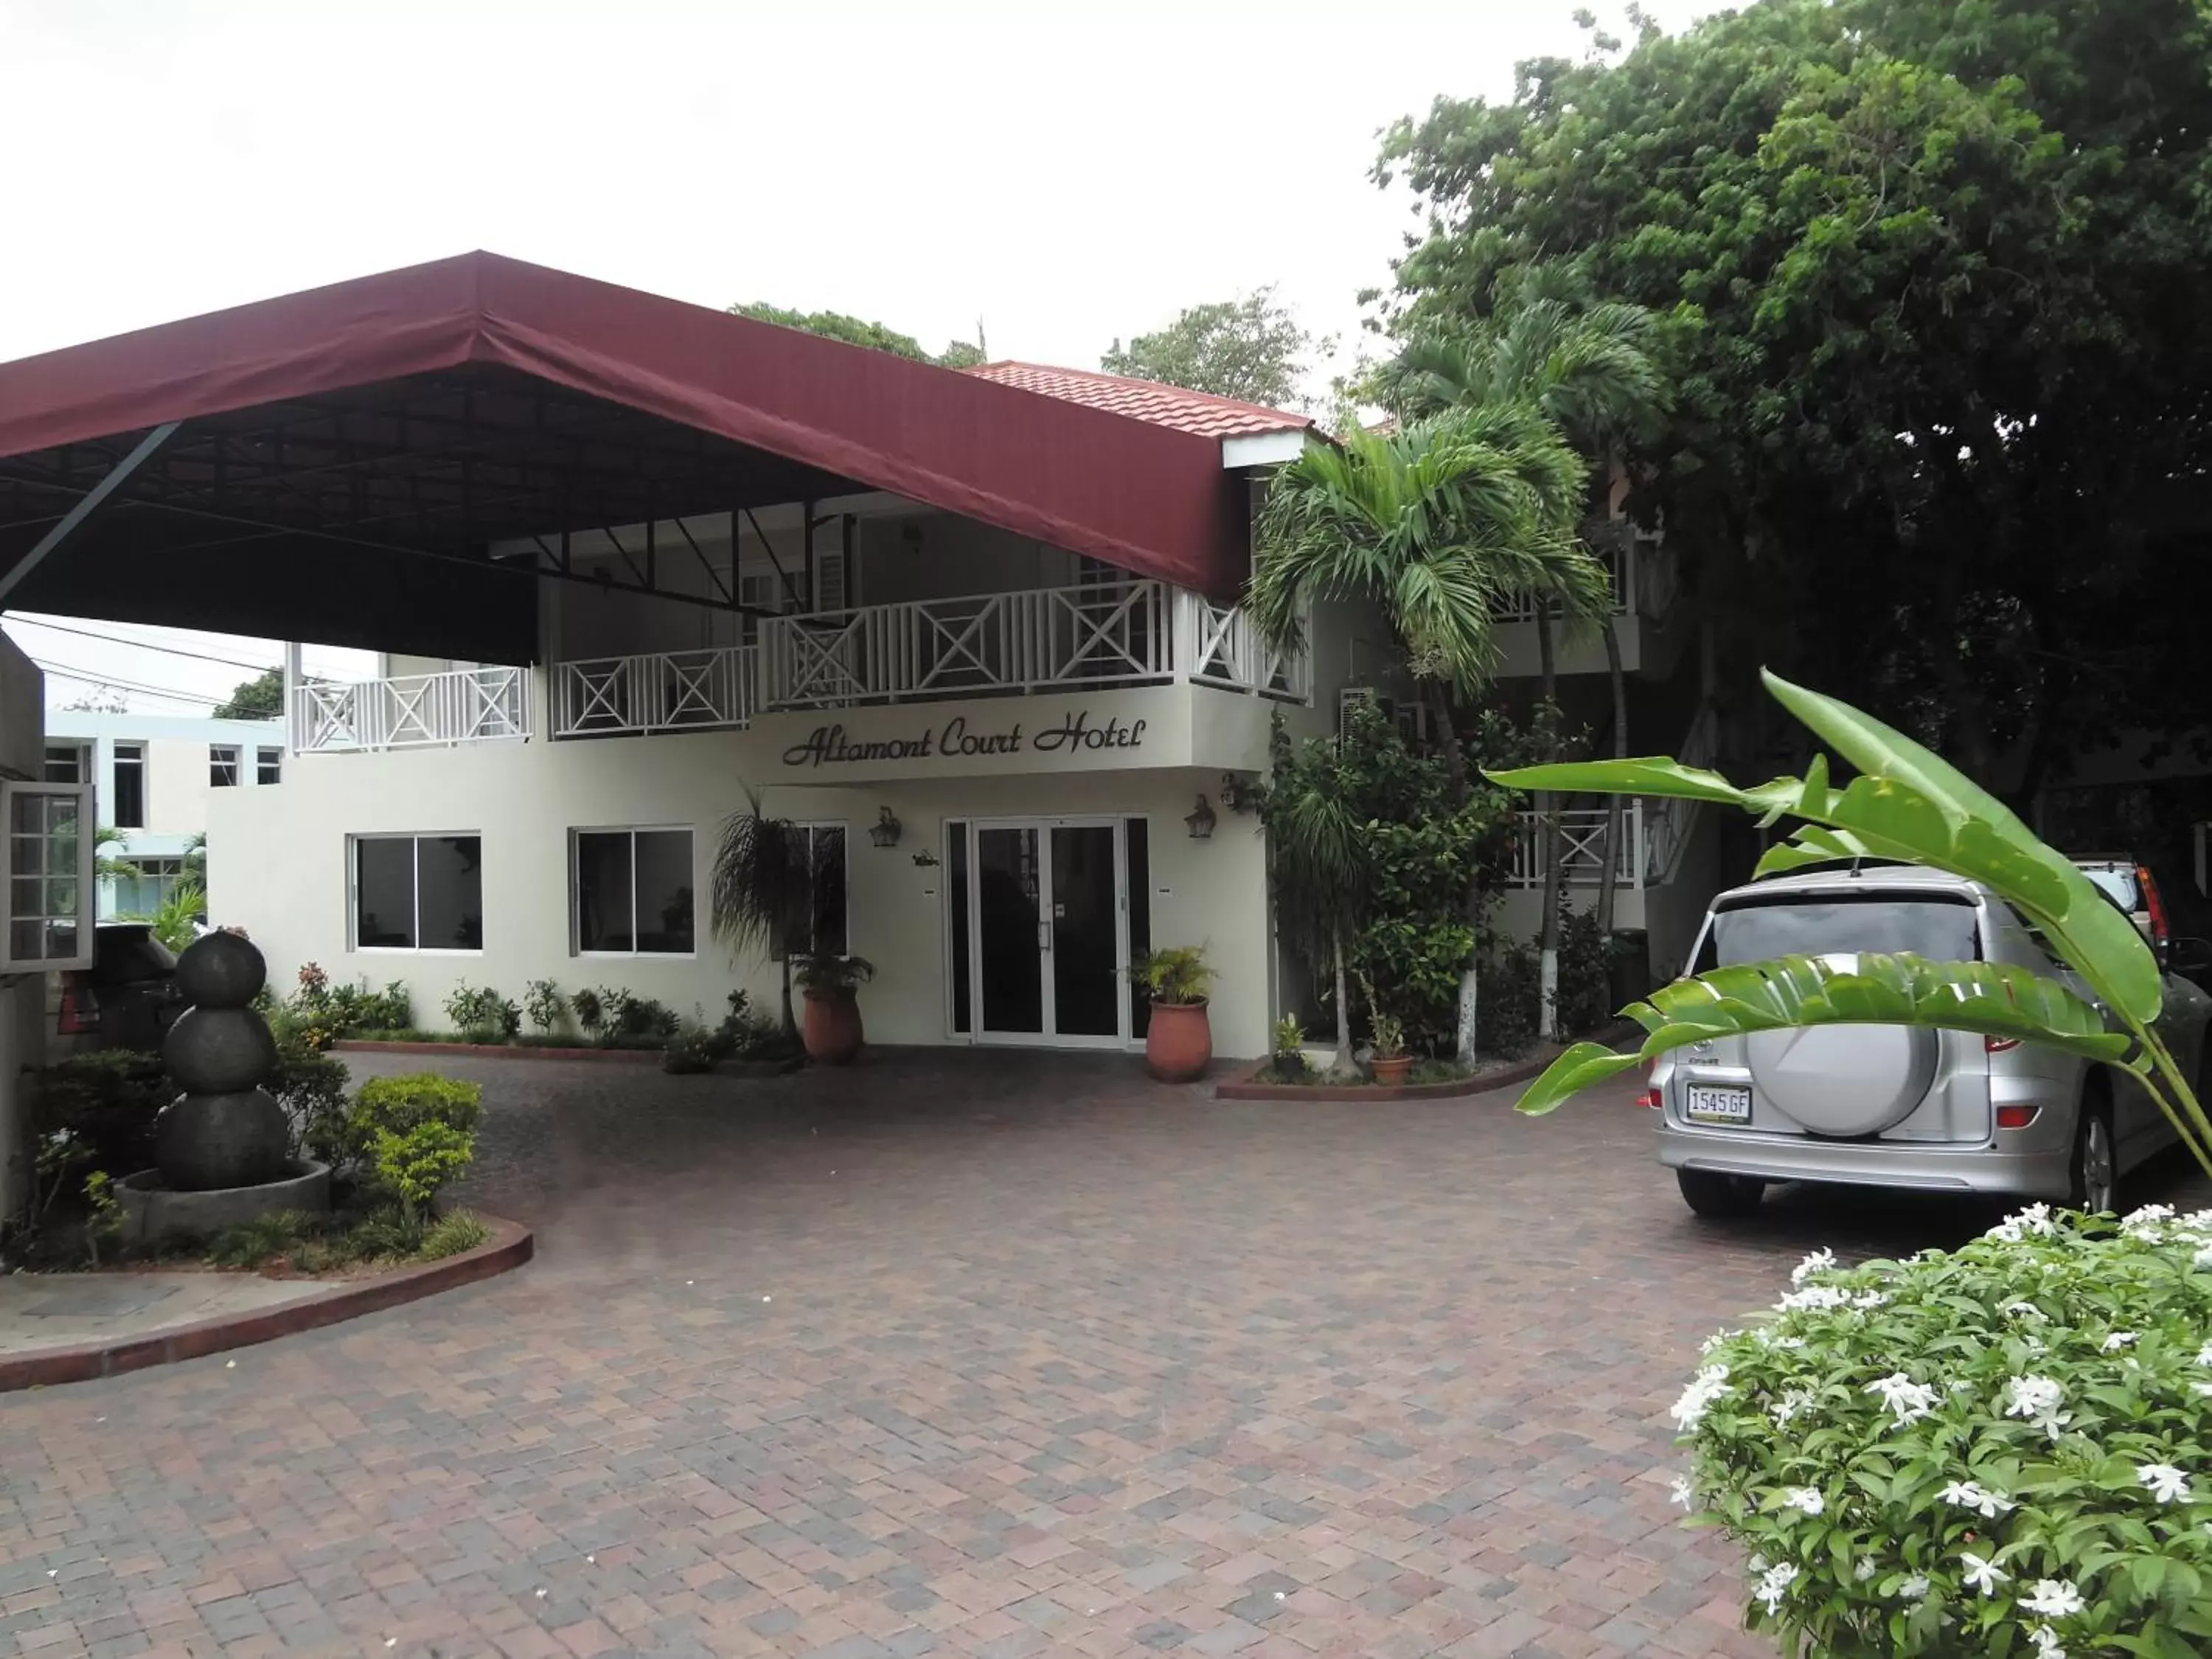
column 832, row 1032
column 763, row 890
column 1178, row 1041
column 1390, row 1062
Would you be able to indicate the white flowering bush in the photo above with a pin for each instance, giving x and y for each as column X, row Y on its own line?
column 2002, row 1451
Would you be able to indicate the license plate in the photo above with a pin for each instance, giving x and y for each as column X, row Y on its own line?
column 1709, row 1103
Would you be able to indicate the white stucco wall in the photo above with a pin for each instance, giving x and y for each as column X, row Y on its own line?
column 279, row 857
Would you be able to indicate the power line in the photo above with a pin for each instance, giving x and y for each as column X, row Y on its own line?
column 144, row 645
column 85, row 678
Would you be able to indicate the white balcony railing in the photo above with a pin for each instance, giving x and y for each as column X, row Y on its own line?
column 412, row 711
column 1121, row 632
column 1644, row 579
column 667, row 691
column 1582, row 847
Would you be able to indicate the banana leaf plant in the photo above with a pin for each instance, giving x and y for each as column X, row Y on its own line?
column 1905, row 805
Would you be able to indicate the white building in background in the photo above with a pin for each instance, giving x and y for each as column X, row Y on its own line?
column 153, row 776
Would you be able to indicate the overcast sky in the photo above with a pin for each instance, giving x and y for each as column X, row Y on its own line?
column 1066, row 173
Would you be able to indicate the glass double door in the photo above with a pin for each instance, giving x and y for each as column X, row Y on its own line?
column 1049, row 938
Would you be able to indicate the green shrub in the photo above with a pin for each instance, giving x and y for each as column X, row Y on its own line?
column 319, row 1011
column 630, row 1016
column 691, row 1050
column 382, row 1234
column 2004, row 1451
column 451, row 1235
column 1585, row 997
column 1175, row 974
column 397, row 1104
column 543, row 1001
column 590, row 1011
column 1507, row 1002
column 311, row 1087
column 746, row 1033
column 483, row 1015
column 107, row 1100
column 262, row 1240
column 416, row 1163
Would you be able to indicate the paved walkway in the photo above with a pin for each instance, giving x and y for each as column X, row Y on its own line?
column 58, row 1310
column 997, row 1355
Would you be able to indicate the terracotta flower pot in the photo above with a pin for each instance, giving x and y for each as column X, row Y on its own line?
column 1392, row 1072
column 1178, row 1041
column 831, row 1028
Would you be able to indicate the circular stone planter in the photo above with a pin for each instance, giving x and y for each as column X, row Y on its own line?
column 153, row 1212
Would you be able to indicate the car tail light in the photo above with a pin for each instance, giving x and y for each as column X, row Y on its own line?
column 1651, row 1100
column 80, row 1008
column 2155, row 905
column 1997, row 1045
column 2017, row 1117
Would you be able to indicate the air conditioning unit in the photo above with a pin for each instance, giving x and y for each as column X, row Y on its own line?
column 1349, row 697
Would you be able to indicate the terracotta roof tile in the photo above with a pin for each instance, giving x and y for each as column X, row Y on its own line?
column 1198, row 412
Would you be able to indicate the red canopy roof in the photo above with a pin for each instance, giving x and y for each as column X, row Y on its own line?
column 784, row 413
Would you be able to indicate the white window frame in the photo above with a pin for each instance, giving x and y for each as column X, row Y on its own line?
column 88, row 897
column 268, row 758
column 576, row 890
column 79, row 755
column 810, row 825
column 221, row 755
column 353, row 891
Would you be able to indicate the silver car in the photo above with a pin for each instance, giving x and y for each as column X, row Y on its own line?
column 1889, row 1105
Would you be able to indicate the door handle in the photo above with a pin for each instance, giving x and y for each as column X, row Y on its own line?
column 1044, row 936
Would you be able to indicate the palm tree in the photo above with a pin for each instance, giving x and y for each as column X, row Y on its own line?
column 110, row 866
column 1438, row 524
column 763, row 889
column 1594, row 372
column 1315, row 854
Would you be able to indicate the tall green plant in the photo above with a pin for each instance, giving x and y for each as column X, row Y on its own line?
column 1317, row 856
column 1907, row 804
column 763, row 889
column 1439, row 525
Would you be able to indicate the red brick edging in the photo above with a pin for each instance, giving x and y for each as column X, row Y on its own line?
column 510, row 1245
column 1241, row 1087
column 502, row 1051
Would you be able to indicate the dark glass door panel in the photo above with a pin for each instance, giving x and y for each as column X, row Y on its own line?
column 1086, row 982
column 1007, row 921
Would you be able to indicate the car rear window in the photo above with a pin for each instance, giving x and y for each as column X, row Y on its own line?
column 124, row 955
column 1937, row 927
column 2117, row 885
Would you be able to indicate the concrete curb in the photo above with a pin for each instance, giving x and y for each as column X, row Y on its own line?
column 1241, row 1087
column 502, row 1051
column 510, row 1245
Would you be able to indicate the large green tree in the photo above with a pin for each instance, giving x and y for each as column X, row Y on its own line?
column 856, row 331
column 1250, row 348
column 1926, row 272
column 260, row 698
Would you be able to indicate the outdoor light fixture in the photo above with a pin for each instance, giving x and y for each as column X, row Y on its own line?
column 1237, row 795
column 925, row 860
column 1201, row 820
column 884, row 831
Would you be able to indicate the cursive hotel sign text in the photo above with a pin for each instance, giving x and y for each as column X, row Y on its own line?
column 828, row 745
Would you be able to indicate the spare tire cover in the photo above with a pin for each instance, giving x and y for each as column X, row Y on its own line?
column 1844, row 1079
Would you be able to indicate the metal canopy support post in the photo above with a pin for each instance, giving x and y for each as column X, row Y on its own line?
column 89, row 503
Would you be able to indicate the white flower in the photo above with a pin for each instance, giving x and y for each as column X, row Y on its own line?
column 1914, row 1588
column 1812, row 1296
column 1865, row 1570
column 2142, row 1219
column 1683, row 1494
column 2008, row 1232
column 1910, row 1401
column 1793, row 1401
column 1806, row 1499
column 1820, row 1261
column 2036, row 1217
column 2047, row 1642
column 1708, row 1385
column 2203, row 1259
column 1799, row 1342
column 1773, row 1585
column 1866, row 1299
column 2053, row 1599
column 2204, row 1390
column 2024, row 1310
column 1969, row 1495
column 2205, row 1354
column 2117, row 1340
column 1983, row 1576
column 2032, row 1396
column 1715, row 1340
column 2166, row 1482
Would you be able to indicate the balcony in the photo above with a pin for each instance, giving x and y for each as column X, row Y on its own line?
column 1014, row 644
column 411, row 711
column 1645, row 584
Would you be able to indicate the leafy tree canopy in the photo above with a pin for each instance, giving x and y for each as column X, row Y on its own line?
column 1923, row 272
column 260, row 698
column 853, row 331
column 1249, row 347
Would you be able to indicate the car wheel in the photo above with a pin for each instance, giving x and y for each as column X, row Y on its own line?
column 1720, row 1197
column 2096, row 1161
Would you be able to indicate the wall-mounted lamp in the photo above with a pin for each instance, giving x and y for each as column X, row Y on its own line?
column 1201, row 820
column 884, row 831
column 1237, row 795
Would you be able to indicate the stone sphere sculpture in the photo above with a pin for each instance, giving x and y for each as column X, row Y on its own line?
column 224, row 1131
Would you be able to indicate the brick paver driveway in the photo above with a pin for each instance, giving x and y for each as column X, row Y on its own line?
column 957, row 1354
